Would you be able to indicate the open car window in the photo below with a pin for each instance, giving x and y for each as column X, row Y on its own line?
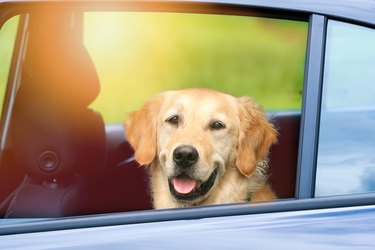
column 140, row 54
column 81, row 73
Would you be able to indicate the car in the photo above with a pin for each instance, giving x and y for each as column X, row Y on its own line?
column 73, row 69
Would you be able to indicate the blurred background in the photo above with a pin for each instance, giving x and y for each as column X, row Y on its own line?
column 139, row 54
column 7, row 38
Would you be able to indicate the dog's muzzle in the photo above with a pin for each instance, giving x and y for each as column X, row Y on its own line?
column 183, row 187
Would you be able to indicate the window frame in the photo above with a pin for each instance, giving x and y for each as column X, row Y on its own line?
column 310, row 115
column 310, row 110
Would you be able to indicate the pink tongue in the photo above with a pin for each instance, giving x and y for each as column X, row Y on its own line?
column 184, row 186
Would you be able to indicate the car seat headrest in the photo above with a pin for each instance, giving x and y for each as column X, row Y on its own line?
column 51, row 121
column 58, row 63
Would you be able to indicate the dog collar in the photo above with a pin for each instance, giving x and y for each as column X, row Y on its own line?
column 248, row 198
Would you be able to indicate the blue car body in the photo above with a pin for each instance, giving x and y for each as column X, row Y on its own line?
column 339, row 228
column 306, row 222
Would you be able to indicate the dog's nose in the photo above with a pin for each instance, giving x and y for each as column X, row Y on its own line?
column 185, row 156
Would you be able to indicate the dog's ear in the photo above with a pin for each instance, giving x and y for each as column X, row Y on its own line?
column 140, row 130
column 256, row 135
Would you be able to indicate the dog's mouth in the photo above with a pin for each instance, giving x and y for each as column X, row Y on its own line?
column 185, row 189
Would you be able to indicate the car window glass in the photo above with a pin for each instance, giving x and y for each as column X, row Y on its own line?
column 139, row 54
column 346, row 160
column 7, row 38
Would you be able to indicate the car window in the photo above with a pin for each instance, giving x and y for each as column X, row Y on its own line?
column 139, row 54
column 7, row 39
column 346, row 160
column 78, row 68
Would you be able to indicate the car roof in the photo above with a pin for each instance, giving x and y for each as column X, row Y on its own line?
column 350, row 10
column 359, row 10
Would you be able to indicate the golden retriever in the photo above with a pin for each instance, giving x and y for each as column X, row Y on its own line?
column 203, row 147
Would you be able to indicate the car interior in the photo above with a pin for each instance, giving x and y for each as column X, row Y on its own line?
column 62, row 160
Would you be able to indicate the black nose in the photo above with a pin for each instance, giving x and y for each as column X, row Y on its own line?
column 185, row 156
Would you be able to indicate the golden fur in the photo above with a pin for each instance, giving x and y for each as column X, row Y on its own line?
column 237, row 151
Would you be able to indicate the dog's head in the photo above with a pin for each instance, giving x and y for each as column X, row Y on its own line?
column 195, row 134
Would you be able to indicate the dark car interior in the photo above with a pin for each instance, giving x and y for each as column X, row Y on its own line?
column 62, row 159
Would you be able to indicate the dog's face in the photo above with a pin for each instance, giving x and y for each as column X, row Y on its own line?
column 195, row 134
column 195, row 141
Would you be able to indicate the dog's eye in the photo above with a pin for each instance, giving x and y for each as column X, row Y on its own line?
column 174, row 119
column 217, row 125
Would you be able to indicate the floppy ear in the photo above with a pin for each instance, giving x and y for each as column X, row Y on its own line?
column 140, row 130
column 256, row 135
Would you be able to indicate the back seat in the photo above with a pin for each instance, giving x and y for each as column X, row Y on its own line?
column 283, row 156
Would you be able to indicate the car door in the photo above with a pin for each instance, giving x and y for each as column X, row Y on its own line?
column 313, row 132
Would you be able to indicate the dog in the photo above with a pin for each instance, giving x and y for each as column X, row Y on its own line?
column 202, row 147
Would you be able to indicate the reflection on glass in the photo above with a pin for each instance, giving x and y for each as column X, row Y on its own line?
column 346, row 159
